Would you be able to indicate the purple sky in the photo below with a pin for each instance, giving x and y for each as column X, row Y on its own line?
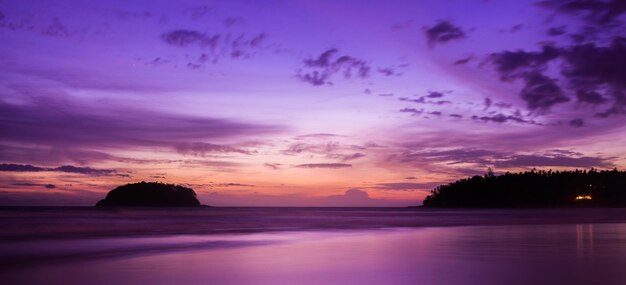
column 303, row 103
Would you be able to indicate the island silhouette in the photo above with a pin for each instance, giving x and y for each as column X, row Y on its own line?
column 539, row 189
column 150, row 194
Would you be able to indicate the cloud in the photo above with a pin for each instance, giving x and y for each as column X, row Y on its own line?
column 405, row 186
column 20, row 168
column 274, row 166
column 501, row 118
column 556, row 31
column 302, row 147
column 72, row 128
column 324, row 165
column 434, row 94
column 513, row 64
column 232, row 185
column 591, row 68
column 596, row 12
column 214, row 46
column 47, row 186
column 484, row 158
column 577, row 123
column 202, row 149
column 387, row 71
column 328, row 150
column 412, row 111
column 591, row 97
column 443, row 32
column 351, row 156
column 426, row 99
column 553, row 160
column 319, row 71
column 344, row 157
column 65, row 168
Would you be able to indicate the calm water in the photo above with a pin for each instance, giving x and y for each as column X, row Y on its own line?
column 312, row 246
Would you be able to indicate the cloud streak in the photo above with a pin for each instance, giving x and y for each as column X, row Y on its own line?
column 9, row 167
column 324, row 165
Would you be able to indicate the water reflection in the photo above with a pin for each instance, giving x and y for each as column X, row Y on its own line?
column 584, row 241
column 512, row 255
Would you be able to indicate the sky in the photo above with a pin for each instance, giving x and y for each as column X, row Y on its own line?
column 303, row 103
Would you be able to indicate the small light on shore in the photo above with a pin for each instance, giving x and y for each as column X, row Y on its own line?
column 583, row 197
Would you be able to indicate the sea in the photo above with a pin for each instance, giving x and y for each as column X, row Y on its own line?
column 214, row 245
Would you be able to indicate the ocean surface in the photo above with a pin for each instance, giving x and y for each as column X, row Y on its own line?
column 48, row 245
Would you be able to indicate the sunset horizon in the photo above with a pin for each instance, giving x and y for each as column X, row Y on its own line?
column 302, row 103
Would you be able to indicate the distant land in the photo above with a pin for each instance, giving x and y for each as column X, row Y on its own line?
column 534, row 189
column 150, row 194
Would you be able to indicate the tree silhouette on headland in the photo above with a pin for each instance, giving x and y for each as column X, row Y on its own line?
column 150, row 194
column 534, row 188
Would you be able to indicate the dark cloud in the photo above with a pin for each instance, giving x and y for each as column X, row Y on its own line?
column 405, row 186
column 324, row 165
column 412, row 111
column 317, row 148
column 344, row 157
column 485, row 158
column 591, row 69
column 410, row 178
column 83, row 170
column 56, row 29
column 541, row 92
column 319, row 71
column 501, row 118
column 516, row 28
column 20, row 167
column 427, row 99
column 514, row 64
column 232, row 185
column 328, row 150
column 317, row 136
column 214, row 46
column 552, row 160
column 64, row 168
column 79, row 128
column 434, row 94
column 464, row 60
column 443, row 32
column 273, row 165
column 184, row 38
column 387, row 71
column 557, row 31
column 577, row 123
column 591, row 97
column 47, row 186
column 353, row 156
column 231, row 21
column 203, row 149
column 602, row 12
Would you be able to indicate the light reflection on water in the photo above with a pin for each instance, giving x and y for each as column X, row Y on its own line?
column 516, row 254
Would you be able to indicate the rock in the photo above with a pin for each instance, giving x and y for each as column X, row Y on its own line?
column 150, row 194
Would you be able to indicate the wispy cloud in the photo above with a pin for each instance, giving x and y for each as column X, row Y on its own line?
column 9, row 167
column 324, row 165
